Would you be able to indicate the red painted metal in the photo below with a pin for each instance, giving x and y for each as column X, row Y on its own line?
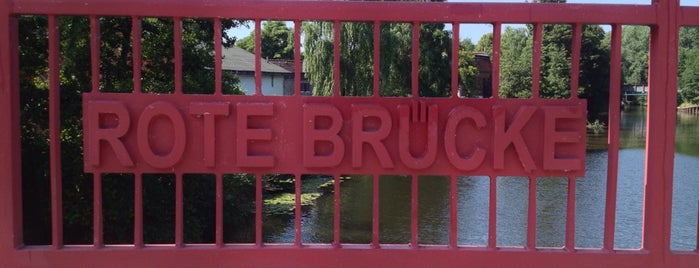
column 531, row 216
column 368, row 129
column 537, row 129
column 375, row 212
column 575, row 60
column 218, row 58
column 136, row 48
column 55, row 134
column 536, row 59
column 497, row 34
column 337, row 28
column 97, row 227
column 570, row 215
column 492, row 213
column 138, row 211
column 613, row 138
column 377, row 57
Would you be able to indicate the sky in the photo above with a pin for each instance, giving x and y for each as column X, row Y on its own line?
column 475, row 31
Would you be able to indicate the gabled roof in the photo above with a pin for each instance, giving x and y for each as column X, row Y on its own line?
column 240, row 60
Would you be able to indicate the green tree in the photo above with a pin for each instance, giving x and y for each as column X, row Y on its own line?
column 485, row 44
column 115, row 76
column 594, row 72
column 515, row 64
column 688, row 65
column 356, row 58
column 468, row 70
column 277, row 41
column 634, row 54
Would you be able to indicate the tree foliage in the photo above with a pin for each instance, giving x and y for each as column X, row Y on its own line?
column 515, row 64
column 634, row 55
column 356, row 58
column 116, row 71
column 277, row 41
column 468, row 70
column 485, row 44
column 688, row 66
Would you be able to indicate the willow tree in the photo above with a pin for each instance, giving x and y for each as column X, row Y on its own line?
column 357, row 61
column 277, row 41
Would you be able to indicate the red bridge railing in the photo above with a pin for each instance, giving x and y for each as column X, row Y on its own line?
column 664, row 17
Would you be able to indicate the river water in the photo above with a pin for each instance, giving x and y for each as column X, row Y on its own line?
column 512, row 202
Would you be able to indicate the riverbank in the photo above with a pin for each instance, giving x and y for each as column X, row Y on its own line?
column 283, row 202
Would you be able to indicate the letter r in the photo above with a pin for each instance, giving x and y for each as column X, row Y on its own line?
column 94, row 133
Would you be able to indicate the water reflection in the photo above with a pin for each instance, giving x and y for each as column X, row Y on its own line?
column 512, row 201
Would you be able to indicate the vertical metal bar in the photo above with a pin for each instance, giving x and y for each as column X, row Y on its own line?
column 136, row 43
column 455, row 46
column 453, row 211
column 613, row 138
column 375, row 212
column 414, row 211
column 570, row 216
column 495, row 75
column 661, row 125
column 415, row 60
column 179, row 212
column 138, row 211
column 95, row 53
column 297, row 210
column 97, row 230
column 336, row 58
column 377, row 58
column 297, row 58
column 219, row 208
column 536, row 60
column 177, row 28
column 697, row 243
column 531, row 215
column 218, row 61
column 493, row 212
column 258, row 57
column 11, row 234
column 55, row 132
column 336, row 210
column 575, row 60
column 258, row 210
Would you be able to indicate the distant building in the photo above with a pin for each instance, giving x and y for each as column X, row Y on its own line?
column 242, row 63
column 306, row 88
column 484, row 83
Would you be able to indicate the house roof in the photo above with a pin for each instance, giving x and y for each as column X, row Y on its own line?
column 240, row 60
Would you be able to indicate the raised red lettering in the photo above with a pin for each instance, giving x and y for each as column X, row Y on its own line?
column 373, row 136
column 208, row 111
column 143, row 132
column 457, row 115
column 246, row 134
column 553, row 136
column 427, row 158
column 313, row 135
column 504, row 136
column 112, row 135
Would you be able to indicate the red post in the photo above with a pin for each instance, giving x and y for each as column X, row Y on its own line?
column 660, row 139
column 10, row 165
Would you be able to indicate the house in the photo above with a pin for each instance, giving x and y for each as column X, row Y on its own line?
column 242, row 63
column 484, row 82
column 289, row 65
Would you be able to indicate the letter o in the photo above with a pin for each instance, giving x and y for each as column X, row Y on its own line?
column 151, row 111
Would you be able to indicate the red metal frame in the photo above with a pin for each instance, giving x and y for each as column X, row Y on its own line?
column 664, row 18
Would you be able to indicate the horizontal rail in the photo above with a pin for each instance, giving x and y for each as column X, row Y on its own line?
column 351, row 11
column 689, row 16
column 323, row 256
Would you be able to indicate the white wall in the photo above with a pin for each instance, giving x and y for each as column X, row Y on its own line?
column 272, row 84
